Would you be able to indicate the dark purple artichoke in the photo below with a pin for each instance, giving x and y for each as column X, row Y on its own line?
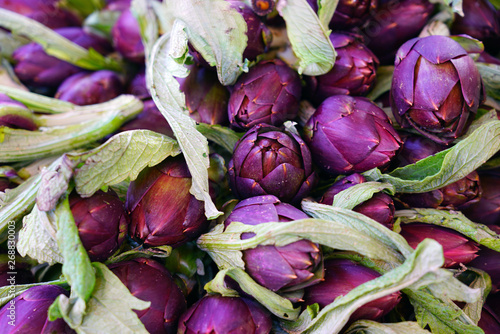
column 436, row 88
column 379, row 208
column 150, row 281
column 138, row 86
column 259, row 36
column 457, row 249
column 268, row 161
column 47, row 12
column 341, row 276
column 126, row 36
column 350, row 134
column 162, row 210
column 206, row 98
column 102, row 223
column 481, row 20
column 269, row 93
column 352, row 74
column 150, row 118
column 284, row 268
column 36, row 68
column 28, row 312
column 14, row 119
column 90, row 88
column 455, row 196
column 349, row 13
column 225, row 315
column 395, row 22
column 487, row 210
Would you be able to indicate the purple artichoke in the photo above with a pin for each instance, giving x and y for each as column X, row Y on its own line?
column 284, row 268
column 352, row 74
column 269, row 93
column 341, row 276
column 481, row 20
column 206, row 98
column 138, row 86
column 225, row 315
column 150, row 118
column 349, row 13
column 456, row 248
column 150, row 281
column 436, row 88
column 268, row 161
column 36, row 68
column 14, row 119
column 379, row 208
column 127, row 37
column 102, row 223
column 487, row 210
column 90, row 88
column 455, row 196
column 47, row 12
column 350, row 134
column 162, row 210
column 488, row 260
column 259, row 36
column 28, row 312
column 395, row 22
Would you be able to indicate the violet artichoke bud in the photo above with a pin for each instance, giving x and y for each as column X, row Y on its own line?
column 269, row 93
column 259, row 36
column 487, row 210
column 36, row 68
column 349, row 13
column 395, row 22
column 138, row 86
column 268, row 161
column 457, row 249
column 150, row 118
column 481, row 20
column 206, row 98
column 341, row 276
column 90, row 88
column 162, row 210
column 28, row 311
column 127, row 37
column 224, row 315
column 9, row 116
column 150, row 281
column 102, row 223
column 352, row 74
column 379, row 208
column 436, row 88
column 47, row 12
column 350, row 134
column 284, row 268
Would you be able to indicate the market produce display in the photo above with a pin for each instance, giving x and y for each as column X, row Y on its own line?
column 250, row 167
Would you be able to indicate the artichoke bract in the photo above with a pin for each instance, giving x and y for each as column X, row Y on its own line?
column 487, row 210
column 47, row 12
column 126, row 36
column 379, row 208
column 28, row 311
column 12, row 119
column 268, row 161
column 341, row 276
column 393, row 23
column 269, row 93
column 224, row 315
column 284, row 268
column 206, row 98
column 436, row 88
column 456, row 248
column 150, row 281
column 162, row 210
column 36, row 68
column 350, row 134
column 352, row 74
column 102, row 223
column 481, row 20
column 90, row 88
